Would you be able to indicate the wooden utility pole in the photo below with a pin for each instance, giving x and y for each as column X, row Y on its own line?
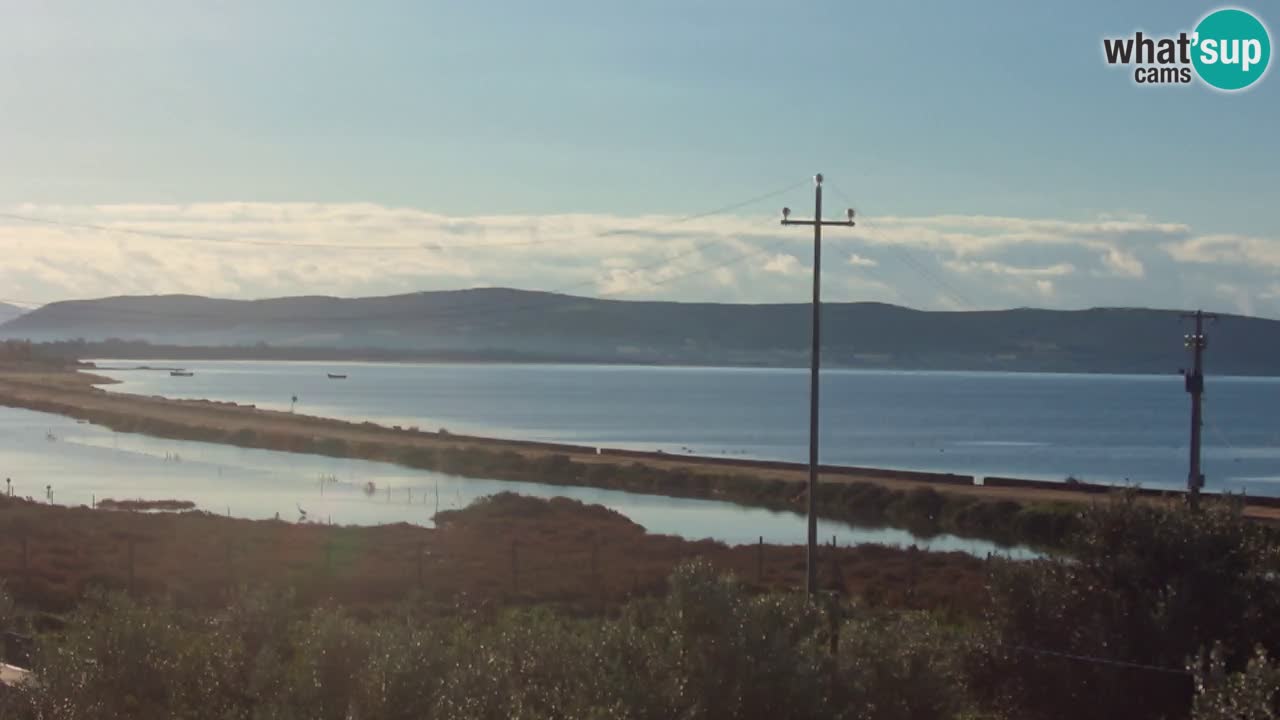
column 811, row 548
column 1196, row 342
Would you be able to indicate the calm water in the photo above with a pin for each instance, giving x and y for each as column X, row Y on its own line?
column 83, row 461
column 1108, row 428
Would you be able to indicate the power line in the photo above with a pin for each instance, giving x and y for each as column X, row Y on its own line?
column 190, row 237
column 507, row 308
column 941, row 284
column 757, row 252
column 1100, row 660
column 959, row 299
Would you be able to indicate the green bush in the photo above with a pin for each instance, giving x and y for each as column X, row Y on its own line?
column 1250, row 694
column 707, row 650
column 1141, row 584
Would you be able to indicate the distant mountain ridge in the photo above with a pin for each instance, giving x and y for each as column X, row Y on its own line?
column 9, row 312
column 505, row 323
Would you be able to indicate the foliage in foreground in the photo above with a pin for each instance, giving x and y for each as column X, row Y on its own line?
column 1143, row 586
column 1158, row 613
column 706, row 650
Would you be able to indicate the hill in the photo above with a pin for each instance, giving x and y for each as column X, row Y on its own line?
column 496, row 323
column 9, row 312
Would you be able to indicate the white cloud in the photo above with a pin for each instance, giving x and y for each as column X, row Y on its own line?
column 998, row 268
column 1122, row 264
column 1124, row 215
column 723, row 277
column 1224, row 249
column 783, row 264
column 271, row 249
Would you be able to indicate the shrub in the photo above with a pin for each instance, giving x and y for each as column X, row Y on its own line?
column 707, row 650
column 1143, row 584
column 1246, row 695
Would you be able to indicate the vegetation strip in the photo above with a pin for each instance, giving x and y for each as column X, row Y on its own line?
column 1011, row 515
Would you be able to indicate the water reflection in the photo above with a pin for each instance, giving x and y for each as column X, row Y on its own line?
column 83, row 462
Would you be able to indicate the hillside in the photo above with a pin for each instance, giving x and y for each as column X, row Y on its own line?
column 514, row 324
column 9, row 312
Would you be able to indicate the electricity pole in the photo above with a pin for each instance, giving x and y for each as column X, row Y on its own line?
column 811, row 548
column 1196, row 342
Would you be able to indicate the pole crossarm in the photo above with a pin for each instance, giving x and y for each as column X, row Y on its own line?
column 824, row 223
column 817, row 223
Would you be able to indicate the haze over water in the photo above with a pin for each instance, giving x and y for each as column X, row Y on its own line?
column 1106, row 428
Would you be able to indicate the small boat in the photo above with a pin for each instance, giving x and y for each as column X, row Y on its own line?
column 337, row 376
column 181, row 373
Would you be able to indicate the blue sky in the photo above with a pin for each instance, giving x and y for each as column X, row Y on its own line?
column 513, row 116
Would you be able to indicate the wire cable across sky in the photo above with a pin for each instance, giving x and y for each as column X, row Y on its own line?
column 399, row 247
column 472, row 310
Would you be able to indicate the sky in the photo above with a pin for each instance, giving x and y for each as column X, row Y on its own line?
column 256, row 149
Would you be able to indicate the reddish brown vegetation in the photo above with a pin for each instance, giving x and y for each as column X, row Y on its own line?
column 523, row 551
column 164, row 505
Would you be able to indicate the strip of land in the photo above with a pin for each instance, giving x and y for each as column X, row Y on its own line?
column 904, row 498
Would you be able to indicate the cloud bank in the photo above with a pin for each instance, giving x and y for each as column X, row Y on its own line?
column 252, row 250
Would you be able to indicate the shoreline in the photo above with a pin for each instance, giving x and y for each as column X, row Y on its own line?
column 857, row 472
column 571, row 362
column 1008, row 511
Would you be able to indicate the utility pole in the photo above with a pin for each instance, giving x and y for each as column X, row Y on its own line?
column 1196, row 342
column 811, row 548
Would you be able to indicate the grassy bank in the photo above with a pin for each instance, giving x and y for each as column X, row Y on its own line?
column 920, row 507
